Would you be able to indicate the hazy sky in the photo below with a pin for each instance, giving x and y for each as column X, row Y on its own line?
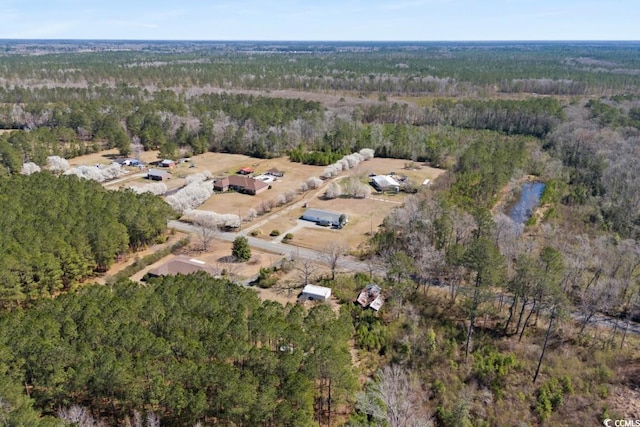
column 322, row 20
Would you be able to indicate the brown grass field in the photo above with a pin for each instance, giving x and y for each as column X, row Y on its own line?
column 365, row 215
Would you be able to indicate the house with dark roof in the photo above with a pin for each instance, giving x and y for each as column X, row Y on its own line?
column 241, row 184
column 183, row 265
column 158, row 175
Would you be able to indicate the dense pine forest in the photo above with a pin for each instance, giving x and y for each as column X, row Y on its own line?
column 488, row 322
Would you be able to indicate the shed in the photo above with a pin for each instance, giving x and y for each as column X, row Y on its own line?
column 158, row 175
column 167, row 163
column 183, row 265
column 315, row 293
column 322, row 217
column 246, row 171
column 385, row 183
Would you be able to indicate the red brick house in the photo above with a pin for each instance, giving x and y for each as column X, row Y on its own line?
column 241, row 184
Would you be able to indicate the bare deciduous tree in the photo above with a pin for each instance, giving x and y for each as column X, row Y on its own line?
column 332, row 254
column 394, row 398
column 305, row 267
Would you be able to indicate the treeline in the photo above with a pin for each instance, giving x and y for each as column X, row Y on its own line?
column 452, row 69
column 532, row 116
column 189, row 349
column 70, row 122
column 58, row 231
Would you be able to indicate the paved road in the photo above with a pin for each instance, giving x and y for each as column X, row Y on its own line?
column 347, row 263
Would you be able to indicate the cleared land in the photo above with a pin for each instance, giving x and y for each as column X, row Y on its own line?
column 219, row 256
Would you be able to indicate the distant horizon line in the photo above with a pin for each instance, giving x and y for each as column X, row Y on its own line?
column 323, row 41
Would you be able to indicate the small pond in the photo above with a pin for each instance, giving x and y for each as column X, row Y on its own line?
column 529, row 198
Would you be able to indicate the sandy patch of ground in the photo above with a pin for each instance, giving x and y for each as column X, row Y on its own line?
column 6, row 131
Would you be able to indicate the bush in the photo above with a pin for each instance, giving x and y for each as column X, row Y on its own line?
column 265, row 278
column 287, row 237
column 274, row 233
column 255, row 232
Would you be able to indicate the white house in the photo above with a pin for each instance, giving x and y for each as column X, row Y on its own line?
column 315, row 293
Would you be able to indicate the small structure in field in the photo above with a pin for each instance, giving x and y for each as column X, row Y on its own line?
column 241, row 184
column 183, row 265
column 167, row 163
column 325, row 218
column 314, row 293
column 246, row 171
column 371, row 296
column 275, row 172
column 385, row 183
column 158, row 175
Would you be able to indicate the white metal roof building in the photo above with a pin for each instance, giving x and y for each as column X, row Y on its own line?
column 315, row 293
column 385, row 182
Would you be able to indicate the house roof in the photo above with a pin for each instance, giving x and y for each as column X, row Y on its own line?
column 157, row 172
column 384, row 181
column 183, row 265
column 319, row 291
column 246, row 169
column 167, row 162
column 245, row 182
column 321, row 215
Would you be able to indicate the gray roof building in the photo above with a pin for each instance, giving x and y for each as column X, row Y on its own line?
column 323, row 217
column 158, row 175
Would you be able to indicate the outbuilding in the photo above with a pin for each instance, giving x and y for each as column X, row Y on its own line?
column 315, row 293
column 322, row 217
column 385, row 183
column 158, row 175
column 167, row 163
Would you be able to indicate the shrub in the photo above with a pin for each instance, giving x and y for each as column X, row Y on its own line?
column 287, row 237
column 241, row 249
column 255, row 232
column 274, row 233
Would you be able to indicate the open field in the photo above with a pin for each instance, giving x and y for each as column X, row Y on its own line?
column 365, row 215
column 226, row 164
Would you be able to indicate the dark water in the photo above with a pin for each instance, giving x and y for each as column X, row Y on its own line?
column 529, row 198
